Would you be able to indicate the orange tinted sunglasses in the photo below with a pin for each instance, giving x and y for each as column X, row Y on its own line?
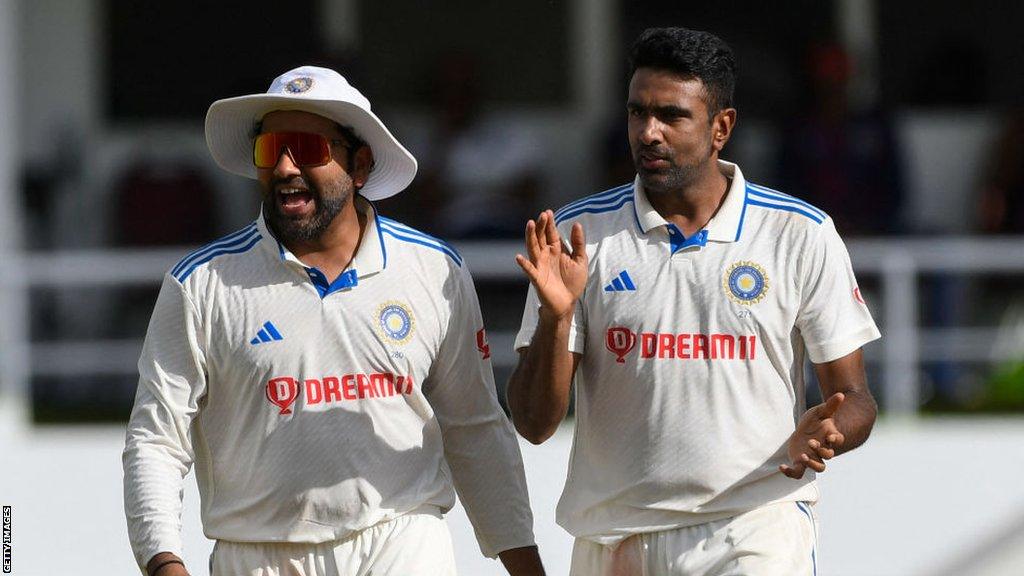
column 304, row 148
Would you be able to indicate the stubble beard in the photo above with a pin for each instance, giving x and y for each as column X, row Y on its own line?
column 675, row 178
column 329, row 202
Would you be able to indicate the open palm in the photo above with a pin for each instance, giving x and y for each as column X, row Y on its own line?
column 558, row 273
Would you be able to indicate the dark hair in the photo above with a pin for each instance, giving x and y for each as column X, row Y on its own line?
column 692, row 54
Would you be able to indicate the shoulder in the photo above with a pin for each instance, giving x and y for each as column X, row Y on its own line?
column 233, row 245
column 405, row 241
column 602, row 206
column 781, row 208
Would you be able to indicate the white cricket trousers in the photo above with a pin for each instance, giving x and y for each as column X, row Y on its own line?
column 414, row 544
column 774, row 540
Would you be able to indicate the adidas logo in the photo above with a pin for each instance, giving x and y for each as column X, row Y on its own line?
column 266, row 334
column 621, row 283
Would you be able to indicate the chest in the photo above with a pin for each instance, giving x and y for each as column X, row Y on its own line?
column 728, row 288
column 288, row 330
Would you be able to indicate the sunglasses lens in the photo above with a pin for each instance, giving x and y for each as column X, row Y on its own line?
column 305, row 149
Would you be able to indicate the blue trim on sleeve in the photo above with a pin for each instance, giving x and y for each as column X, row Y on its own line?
column 596, row 209
column 404, row 233
column 232, row 239
column 782, row 198
column 593, row 199
column 785, row 208
column 232, row 249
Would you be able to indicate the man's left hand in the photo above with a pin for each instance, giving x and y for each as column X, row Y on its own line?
column 815, row 439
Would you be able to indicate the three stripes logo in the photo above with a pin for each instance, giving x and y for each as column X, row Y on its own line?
column 621, row 283
column 268, row 333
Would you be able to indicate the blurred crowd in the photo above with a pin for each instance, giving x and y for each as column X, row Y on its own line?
column 482, row 175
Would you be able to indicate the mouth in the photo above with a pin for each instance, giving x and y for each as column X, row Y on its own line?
column 293, row 201
column 653, row 161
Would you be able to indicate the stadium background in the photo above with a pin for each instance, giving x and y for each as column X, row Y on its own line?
column 904, row 120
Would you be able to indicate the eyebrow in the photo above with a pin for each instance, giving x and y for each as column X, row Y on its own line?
column 669, row 109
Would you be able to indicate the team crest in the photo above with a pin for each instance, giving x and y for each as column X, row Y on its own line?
column 395, row 322
column 745, row 283
column 299, row 85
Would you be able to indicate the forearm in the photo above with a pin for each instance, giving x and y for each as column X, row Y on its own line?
column 522, row 561
column 538, row 392
column 855, row 419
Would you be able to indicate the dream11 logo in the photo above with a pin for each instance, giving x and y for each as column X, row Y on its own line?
column 282, row 393
column 620, row 341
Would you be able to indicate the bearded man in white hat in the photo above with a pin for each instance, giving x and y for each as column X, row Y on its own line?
column 325, row 368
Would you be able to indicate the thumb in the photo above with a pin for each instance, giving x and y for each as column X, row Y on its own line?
column 831, row 406
column 796, row 471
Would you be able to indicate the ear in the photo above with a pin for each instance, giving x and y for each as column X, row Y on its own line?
column 721, row 127
column 360, row 172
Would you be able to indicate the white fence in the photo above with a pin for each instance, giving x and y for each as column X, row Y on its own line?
column 897, row 262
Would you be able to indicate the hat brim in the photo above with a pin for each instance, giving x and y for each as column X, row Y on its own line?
column 230, row 131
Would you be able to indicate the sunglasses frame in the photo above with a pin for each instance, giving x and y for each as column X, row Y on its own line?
column 285, row 149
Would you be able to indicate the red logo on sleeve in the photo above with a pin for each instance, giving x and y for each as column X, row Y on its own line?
column 482, row 345
column 282, row 393
column 620, row 341
column 858, row 296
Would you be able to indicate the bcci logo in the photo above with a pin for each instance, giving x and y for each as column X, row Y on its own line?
column 745, row 283
column 299, row 85
column 395, row 322
column 620, row 341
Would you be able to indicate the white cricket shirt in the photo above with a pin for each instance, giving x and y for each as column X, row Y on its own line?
column 691, row 377
column 313, row 410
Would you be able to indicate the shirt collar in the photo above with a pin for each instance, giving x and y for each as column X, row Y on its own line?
column 370, row 258
column 726, row 224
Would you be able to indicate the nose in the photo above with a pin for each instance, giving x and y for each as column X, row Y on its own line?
column 285, row 166
column 650, row 131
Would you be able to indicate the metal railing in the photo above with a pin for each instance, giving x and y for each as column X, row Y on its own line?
column 898, row 263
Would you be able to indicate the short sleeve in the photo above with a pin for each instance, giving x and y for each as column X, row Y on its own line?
column 833, row 317
column 531, row 314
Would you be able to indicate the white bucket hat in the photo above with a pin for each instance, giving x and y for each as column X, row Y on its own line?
column 231, row 125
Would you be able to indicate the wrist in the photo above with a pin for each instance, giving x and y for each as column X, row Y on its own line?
column 553, row 319
column 165, row 564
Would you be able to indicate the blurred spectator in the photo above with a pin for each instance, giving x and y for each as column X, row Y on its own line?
column 163, row 205
column 1002, row 193
column 480, row 175
column 844, row 161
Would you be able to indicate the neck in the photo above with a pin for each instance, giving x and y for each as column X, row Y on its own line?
column 692, row 206
column 333, row 250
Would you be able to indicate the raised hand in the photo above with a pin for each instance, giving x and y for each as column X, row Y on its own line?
column 558, row 274
column 815, row 439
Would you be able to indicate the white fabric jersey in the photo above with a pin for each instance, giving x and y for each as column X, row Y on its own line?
column 691, row 378
column 314, row 410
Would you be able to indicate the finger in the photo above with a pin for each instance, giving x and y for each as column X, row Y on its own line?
column 796, row 471
column 812, row 463
column 532, row 247
column 579, row 243
column 829, row 408
column 527, row 266
column 823, row 452
column 835, row 439
column 552, row 238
